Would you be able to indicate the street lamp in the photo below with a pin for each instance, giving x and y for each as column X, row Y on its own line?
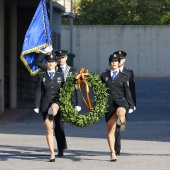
column 51, row 18
column 71, row 16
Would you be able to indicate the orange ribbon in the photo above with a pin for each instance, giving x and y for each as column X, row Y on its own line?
column 81, row 77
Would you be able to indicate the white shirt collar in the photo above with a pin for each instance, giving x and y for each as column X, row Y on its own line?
column 63, row 66
column 50, row 71
column 111, row 71
column 121, row 68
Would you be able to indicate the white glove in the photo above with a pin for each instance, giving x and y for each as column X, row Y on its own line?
column 36, row 110
column 76, row 86
column 77, row 108
column 48, row 49
column 130, row 111
column 134, row 108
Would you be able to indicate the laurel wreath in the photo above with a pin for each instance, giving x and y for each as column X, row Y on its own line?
column 81, row 120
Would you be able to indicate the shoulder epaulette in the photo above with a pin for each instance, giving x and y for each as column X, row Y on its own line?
column 41, row 72
column 122, row 73
column 108, row 69
column 59, row 72
column 103, row 73
column 128, row 69
column 73, row 68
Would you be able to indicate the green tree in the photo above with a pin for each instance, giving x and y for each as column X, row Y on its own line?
column 122, row 12
column 153, row 12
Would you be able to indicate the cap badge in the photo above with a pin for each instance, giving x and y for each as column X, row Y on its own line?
column 114, row 55
column 120, row 52
column 60, row 52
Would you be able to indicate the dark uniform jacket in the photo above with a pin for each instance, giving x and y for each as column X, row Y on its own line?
column 130, row 74
column 118, row 90
column 48, row 90
column 68, row 72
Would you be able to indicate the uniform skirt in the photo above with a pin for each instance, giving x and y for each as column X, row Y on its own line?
column 44, row 114
column 112, row 110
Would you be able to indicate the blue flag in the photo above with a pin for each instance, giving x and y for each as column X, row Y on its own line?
column 38, row 36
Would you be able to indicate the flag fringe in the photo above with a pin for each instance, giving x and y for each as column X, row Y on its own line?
column 36, row 50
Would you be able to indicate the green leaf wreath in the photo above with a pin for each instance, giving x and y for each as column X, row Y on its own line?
column 99, row 108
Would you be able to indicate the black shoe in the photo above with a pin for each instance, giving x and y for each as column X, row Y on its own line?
column 118, row 153
column 113, row 160
column 50, row 114
column 52, row 160
column 60, row 154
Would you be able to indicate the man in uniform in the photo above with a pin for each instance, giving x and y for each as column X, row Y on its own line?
column 61, row 56
column 130, row 74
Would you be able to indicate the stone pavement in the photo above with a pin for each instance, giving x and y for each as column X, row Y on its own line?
column 145, row 142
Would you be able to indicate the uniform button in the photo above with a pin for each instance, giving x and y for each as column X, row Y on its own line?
column 51, row 81
column 52, row 92
column 51, row 86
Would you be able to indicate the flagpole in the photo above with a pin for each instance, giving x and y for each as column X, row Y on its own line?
column 51, row 19
column 36, row 37
column 71, row 28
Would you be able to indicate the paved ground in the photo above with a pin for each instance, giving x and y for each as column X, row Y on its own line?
column 145, row 142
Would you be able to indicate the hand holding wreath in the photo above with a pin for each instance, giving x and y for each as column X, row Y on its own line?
column 96, row 112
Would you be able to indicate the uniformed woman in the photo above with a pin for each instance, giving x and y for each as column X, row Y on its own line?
column 61, row 56
column 119, row 101
column 47, row 94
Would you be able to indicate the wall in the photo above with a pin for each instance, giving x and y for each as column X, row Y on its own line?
column 147, row 47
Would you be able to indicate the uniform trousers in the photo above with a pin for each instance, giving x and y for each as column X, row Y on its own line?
column 117, row 138
column 59, row 132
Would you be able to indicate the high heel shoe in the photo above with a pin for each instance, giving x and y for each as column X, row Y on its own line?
column 60, row 153
column 52, row 160
column 121, row 124
column 113, row 159
column 50, row 114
